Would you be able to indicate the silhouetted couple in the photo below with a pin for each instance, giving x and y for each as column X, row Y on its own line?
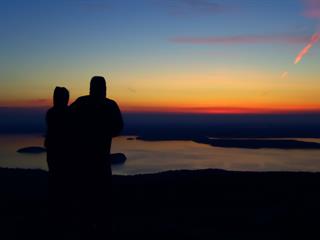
column 78, row 143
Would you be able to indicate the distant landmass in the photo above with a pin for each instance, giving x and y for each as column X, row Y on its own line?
column 261, row 143
column 299, row 125
column 285, row 144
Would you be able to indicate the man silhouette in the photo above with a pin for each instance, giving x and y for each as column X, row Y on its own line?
column 95, row 120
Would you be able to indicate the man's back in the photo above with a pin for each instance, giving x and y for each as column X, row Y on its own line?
column 95, row 122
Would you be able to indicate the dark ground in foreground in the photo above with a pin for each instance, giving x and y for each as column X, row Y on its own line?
column 204, row 204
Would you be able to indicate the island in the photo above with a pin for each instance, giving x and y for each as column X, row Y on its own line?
column 116, row 158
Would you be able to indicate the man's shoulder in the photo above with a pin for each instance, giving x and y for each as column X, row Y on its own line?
column 111, row 102
column 87, row 100
column 79, row 101
column 83, row 98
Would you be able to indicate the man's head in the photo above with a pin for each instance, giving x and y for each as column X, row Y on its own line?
column 98, row 88
column 60, row 97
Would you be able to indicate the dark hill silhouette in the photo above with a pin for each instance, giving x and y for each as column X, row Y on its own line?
column 179, row 205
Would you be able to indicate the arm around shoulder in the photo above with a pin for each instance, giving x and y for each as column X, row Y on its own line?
column 117, row 120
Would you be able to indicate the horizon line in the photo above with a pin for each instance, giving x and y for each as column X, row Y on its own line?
column 195, row 110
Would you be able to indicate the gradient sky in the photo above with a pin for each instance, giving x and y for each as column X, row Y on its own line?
column 163, row 55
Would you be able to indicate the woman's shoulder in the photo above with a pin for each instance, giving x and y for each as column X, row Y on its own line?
column 54, row 112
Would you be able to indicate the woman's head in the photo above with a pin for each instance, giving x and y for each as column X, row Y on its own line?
column 60, row 97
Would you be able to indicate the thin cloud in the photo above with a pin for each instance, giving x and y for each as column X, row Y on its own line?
column 222, row 110
column 284, row 75
column 93, row 5
column 312, row 8
column 194, row 7
column 37, row 102
column 244, row 39
column 132, row 90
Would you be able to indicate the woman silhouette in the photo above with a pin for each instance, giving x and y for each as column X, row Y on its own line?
column 57, row 128
column 56, row 142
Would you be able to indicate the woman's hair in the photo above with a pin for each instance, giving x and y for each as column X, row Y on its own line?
column 60, row 97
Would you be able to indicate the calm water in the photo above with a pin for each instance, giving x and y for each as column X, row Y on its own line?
column 149, row 157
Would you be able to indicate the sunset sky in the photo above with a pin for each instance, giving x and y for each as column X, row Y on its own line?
column 208, row 56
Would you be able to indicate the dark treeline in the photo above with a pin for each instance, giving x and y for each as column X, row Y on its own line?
column 174, row 126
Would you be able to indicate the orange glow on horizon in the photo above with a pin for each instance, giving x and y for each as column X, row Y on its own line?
column 237, row 91
column 221, row 110
column 180, row 109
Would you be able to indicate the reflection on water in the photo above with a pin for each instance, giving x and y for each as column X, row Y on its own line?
column 147, row 157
